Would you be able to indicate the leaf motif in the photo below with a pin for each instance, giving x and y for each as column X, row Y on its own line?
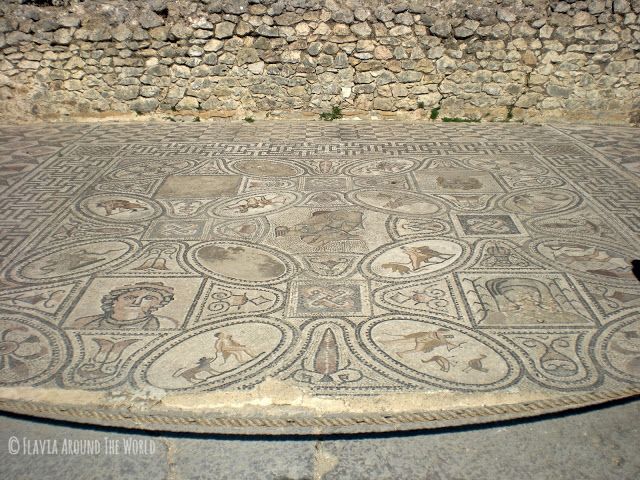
column 326, row 359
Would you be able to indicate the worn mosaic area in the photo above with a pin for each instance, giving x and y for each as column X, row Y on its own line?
column 380, row 274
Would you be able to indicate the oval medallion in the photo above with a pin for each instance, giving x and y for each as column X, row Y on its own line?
column 149, row 168
column 618, row 348
column 266, row 168
column 120, row 208
column 602, row 262
column 400, row 261
column 394, row 201
column 517, row 165
column 387, row 166
column 30, row 350
column 253, row 205
column 242, row 262
column 545, row 200
column 73, row 260
column 439, row 353
column 215, row 356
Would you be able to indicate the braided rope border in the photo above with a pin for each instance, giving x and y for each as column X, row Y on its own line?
column 210, row 423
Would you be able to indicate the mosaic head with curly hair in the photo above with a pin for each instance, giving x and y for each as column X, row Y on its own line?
column 132, row 306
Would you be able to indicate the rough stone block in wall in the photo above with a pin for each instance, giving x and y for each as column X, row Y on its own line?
column 480, row 59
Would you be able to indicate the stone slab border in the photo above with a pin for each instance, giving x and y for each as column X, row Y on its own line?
column 176, row 421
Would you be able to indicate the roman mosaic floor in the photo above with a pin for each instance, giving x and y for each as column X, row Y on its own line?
column 311, row 277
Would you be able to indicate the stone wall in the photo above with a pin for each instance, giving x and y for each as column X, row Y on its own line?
column 490, row 59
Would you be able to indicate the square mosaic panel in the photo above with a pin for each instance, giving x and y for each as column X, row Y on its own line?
column 488, row 225
column 320, row 298
column 199, row 186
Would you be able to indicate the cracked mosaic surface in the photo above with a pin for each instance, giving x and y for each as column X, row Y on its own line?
column 343, row 261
